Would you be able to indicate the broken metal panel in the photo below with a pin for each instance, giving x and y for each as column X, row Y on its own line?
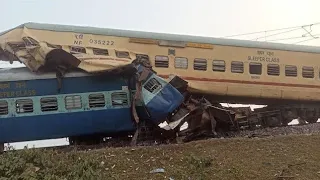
column 176, row 123
column 202, row 118
column 38, row 49
column 178, row 83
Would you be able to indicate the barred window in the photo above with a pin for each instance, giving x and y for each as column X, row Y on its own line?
column 3, row 107
column 103, row 52
column 77, row 50
column 73, row 102
column 153, row 85
column 142, row 56
column 200, row 64
column 219, row 65
column 119, row 99
column 237, row 67
column 307, row 72
column 162, row 61
column 24, row 106
column 122, row 54
column 273, row 69
column 291, row 70
column 255, row 68
column 181, row 63
column 49, row 104
column 96, row 100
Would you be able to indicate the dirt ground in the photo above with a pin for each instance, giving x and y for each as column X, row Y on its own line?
column 281, row 157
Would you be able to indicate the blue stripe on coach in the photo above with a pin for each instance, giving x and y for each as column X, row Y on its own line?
column 28, row 128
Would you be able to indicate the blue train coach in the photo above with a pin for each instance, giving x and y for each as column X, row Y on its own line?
column 32, row 108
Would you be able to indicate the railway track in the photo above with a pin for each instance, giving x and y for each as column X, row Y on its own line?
column 257, row 133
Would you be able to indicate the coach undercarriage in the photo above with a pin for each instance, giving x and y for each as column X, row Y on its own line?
column 198, row 118
column 202, row 115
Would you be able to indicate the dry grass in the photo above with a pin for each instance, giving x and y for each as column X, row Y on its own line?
column 292, row 157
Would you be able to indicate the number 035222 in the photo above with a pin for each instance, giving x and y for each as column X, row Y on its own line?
column 101, row 42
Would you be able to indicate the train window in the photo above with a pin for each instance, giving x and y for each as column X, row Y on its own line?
column 3, row 107
column 237, row 67
column 255, row 68
column 291, row 70
column 96, row 100
column 54, row 46
column 77, row 50
column 153, row 86
column 49, row 104
column 307, row 72
column 144, row 59
column 142, row 56
column 162, row 61
column 73, row 102
column 273, row 69
column 122, row 54
column 24, row 106
column 103, row 52
column 218, row 65
column 181, row 63
column 119, row 99
column 200, row 64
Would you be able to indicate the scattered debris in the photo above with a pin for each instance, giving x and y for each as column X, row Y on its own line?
column 159, row 170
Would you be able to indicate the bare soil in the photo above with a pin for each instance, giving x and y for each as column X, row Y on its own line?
column 280, row 157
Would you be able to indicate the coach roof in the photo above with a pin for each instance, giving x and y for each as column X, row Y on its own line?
column 23, row 73
column 170, row 37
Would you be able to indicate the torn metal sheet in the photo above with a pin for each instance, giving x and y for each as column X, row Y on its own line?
column 173, row 125
column 37, row 51
column 202, row 118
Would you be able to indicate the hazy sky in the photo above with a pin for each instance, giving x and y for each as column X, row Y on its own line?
column 216, row 18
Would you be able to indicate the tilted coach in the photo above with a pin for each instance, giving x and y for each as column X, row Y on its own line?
column 284, row 77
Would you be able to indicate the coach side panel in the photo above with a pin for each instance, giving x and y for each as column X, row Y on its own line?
column 243, row 72
column 209, row 68
column 33, row 110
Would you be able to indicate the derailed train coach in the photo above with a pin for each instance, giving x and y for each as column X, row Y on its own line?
column 83, row 107
column 89, row 93
column 86, row 107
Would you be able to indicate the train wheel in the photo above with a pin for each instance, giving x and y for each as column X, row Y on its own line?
column 312, row 120
column 273, row 121
column 286, row 121
column 301, row 121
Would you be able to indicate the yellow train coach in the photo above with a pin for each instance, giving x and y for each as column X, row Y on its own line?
column 214, row 66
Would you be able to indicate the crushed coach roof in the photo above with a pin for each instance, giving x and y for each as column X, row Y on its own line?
column 164, row 36
column 41, row 46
